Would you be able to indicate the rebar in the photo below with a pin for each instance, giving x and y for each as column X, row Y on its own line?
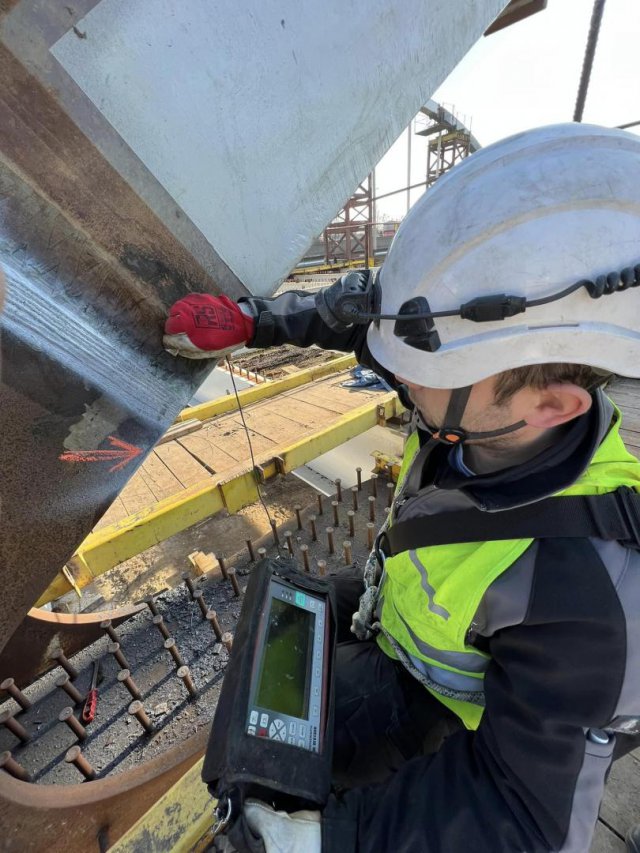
column 186, row 577
column 297, row 509
column 223, row 568
column 371, row 531
column 351, row 516
column 372, row 508
column 124, row 677
column 320, row 508
column 66, row 716
column 274, row 530
column 314, row 531
column 234, row 583
column 346, row 547
column 227, row 640
column 11, row 766
column 359, row 476
column 109, row 630
column 185, row 675
column 171, row 647
column 151, row 605
column 304, row 549
column 336, row 520
column 16, row 728
column 114, row 649
column 74, row 756
column 354, row 498
column 330, row 540
column 374, row 485
column 249, row 544
column 289, row 541
column 262, row 553
column 198, row 597
column 10, row 686
column 136, row 709
column 322, row 568
column 65, row 684
column 338, row 484
column 61, row 659
column 212, row 619
column 158, row 621
column 390, row 490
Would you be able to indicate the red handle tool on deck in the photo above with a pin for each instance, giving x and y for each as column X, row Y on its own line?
column 91, row 701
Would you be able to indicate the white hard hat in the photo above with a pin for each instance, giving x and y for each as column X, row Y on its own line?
column 528, row 217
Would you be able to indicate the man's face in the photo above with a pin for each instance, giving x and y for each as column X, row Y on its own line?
column 481, row 412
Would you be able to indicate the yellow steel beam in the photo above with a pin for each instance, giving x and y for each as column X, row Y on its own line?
column 179, row 822
column 204, row 411
column 339, row 265
column 105, row 548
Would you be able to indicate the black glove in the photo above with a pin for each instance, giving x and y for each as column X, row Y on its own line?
column 351, row 299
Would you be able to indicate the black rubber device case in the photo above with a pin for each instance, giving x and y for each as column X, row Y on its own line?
column 238, row 765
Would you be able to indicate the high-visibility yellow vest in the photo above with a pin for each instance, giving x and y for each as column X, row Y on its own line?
column 429, row 597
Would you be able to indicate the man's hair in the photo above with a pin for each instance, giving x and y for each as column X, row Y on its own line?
column 540, row 375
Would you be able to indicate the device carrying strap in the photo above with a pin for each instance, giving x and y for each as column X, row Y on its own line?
column 614, row 516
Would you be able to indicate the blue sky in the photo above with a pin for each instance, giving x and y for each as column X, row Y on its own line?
column 527, row 75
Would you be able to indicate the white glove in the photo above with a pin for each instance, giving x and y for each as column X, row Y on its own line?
column 281, row 832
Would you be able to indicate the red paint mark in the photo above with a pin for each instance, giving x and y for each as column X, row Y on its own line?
column 125, row 453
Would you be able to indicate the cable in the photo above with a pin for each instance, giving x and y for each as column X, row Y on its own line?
column 590, row 50
column 253, row 459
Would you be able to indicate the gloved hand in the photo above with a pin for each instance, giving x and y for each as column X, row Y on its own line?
column 282, row 832
column 203, row 326
column 260, row 828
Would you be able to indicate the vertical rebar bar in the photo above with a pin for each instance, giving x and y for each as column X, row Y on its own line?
column 359, row 476
column 198, row 597
column 150, row 602
column 115, row 650
column 109, row 630
column 351, row 516
column 10, row 686
column 212, row 619
column 322, row 568
column 330, row 540
column 186, row 577
column 298, row 510
column 74, row 756
column 61, row 659
column 346, row 548
column 65, row 684
column 274, row 530
column 354, row 498
column 371, row 531
column 289, row 541
column 336, row 520
column 185, row 675
column 249, row 544
column 320, row 509
column 227, row 640
column 304, row 549
column 223, row 568
column 372, row 508
column 158, row 621
column 11, row 766
column 16, row 728
column 390, row 490
column 171, row 647
column 234, row 583
column 314, row 531
column 124, row 677
column 262, row 553
column 136, row 709
column 338, row 485
column 374, row 485
column 66, row 716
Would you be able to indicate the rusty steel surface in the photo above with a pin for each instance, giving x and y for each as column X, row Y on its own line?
column 91, row 816
column 90, row 272
column 27, row 653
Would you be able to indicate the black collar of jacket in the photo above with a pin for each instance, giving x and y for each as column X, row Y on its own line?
column 551, row 471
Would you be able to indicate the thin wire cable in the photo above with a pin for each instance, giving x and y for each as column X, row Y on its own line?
column 590, row 52
column 253, row 459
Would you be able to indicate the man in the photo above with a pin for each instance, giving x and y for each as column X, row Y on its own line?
column 498, row 673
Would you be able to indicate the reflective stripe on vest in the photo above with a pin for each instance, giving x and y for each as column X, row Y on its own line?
column 429, row 597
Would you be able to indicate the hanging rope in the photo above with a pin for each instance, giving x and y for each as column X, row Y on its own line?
column 592, row 40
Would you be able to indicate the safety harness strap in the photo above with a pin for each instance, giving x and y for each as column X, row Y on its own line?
column 614, row 516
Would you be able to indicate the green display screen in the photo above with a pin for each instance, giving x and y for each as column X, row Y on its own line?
column 284, row 680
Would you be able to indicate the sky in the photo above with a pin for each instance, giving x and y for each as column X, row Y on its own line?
column 527, row 75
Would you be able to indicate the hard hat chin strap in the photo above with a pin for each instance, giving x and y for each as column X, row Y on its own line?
column 452, row 433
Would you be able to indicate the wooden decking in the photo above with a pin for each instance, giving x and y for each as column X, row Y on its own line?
column 220, row 445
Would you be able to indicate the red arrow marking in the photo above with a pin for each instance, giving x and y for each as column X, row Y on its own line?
column 125, row 454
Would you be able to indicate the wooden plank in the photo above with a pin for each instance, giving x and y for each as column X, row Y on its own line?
column 182, row 464
column 337, row 399
column 200, row 444
column 303, row 414
column 159, row 478
column 605, row 841
column 270, row 425
column 136, row 495
column 231, row 438
column 621, row 804
column 115, row 512
column 179, row 429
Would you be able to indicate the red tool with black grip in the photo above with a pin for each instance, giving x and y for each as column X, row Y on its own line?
column 91, row 702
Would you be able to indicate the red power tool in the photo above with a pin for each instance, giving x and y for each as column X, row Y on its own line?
column 91, row 702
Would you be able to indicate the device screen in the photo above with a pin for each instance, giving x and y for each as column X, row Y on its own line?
column 284, row 672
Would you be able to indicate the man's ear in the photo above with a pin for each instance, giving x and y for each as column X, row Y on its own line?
column 558, row 404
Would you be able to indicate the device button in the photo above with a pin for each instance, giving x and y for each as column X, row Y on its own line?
column 278, row 729
column 292, row 741
column 316, row 711
column 302, row 744
column 316, row 691
column 302, row 730
column 317, row 672
column 253, row 718
column 251, row 730
column 292, row 728
column 264, row 720
column 262, row 732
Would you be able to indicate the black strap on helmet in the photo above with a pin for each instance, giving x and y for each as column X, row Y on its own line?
column 452, row 433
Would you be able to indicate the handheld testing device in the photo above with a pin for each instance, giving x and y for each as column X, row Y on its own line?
column 273, row 728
